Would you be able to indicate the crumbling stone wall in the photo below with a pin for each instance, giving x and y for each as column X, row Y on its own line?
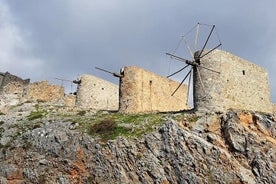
column 44, row 91
column 241, row 85
column 14, row 90
column 11, row 84
column 97, row 94
column 7, row 78
column 70, row 100
column 143, row 91
column 11, row 89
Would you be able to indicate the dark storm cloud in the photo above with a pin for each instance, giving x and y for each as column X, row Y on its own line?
column 66, row 38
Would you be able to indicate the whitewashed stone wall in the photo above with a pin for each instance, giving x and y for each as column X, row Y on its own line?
column 241, row 85
column 142, row 91
column 97, row 94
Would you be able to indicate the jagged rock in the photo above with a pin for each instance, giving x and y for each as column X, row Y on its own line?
column 265, row 125
column 229, row 149
column 262, row 167
column 235, row 133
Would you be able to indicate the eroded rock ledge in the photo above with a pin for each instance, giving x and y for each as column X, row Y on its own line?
column 236, row 147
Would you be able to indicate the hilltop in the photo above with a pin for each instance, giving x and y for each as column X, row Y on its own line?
column 44, row 143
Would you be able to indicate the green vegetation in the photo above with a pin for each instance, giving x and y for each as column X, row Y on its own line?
column 81, row 113
column 40, row 101
column 107, row 129
column 26, row 145
column 91, row 179
column 37, row 115
column 1, row 131
column 192, row 118
column 187, row 120
column 2, row 122
column 108, row 125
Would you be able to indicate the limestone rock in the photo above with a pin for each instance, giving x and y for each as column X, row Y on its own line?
column 235, row 134
column 230, row 149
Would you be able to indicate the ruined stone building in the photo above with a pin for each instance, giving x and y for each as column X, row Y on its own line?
column 14, row 90
column 12, row 84
column 11, row 89
column 143, row 91
column 43, row 91
column 241, row 85
column 97, row 94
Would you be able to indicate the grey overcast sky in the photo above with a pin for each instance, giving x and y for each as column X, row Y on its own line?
column 43, row 40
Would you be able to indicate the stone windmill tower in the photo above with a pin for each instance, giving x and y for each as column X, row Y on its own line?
column 196, row 69
column 222, row 81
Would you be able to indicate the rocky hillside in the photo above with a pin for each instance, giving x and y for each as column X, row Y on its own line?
column 41, row 143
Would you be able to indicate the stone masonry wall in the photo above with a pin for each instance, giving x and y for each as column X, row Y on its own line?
column 143, row 91
column 11, row 89
column 44, row 91
column 7, row 78
column 70, row 100
column 97, row 94
column 241, row 85
column 2, row 76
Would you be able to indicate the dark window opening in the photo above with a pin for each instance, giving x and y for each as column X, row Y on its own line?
column 243, row 72
column 102, row 88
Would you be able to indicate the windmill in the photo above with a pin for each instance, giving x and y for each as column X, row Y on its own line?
column 207, row 43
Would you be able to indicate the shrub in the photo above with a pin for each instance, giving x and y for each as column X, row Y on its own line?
column 2, row 122
column 1, row 131
column 107, row 129
column 36, row 115
column 41, row 101
column 81, row 113
column 103, row 127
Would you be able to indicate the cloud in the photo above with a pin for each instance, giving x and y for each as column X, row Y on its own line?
column 48, row 39
column 14, row 54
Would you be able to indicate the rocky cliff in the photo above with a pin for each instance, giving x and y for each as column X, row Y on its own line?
column 41, row 143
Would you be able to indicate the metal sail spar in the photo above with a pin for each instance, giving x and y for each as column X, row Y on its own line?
column 194, row 62
column 113, row 73
column 189, row 73
column 181, row 59
column 213, row 27
column 177, row 71
column 211, row 50
column 188, row 63
column 65, row 80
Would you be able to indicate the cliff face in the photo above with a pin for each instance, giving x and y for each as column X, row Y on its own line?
column 236, row 147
